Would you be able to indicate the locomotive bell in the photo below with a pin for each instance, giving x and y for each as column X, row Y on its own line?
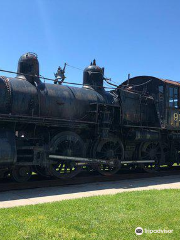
column 28, row 67
column 93, row 76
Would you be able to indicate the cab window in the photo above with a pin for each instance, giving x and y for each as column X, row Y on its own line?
column 173, row 97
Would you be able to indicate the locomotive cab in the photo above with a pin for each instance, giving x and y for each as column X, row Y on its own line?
column 165, row 94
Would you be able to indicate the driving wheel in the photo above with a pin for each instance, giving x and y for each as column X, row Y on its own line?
column 110, row 149
column 66, row 144
column 151, row 151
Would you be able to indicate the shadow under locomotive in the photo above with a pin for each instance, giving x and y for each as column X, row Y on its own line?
column 58, row 130
column 94, row 188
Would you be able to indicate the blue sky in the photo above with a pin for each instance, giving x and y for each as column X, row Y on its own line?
column 140, row 37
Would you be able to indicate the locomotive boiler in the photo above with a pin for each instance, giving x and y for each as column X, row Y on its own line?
column 58, row 130
column 28, row 96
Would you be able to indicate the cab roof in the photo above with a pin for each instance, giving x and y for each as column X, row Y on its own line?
column 144, row 79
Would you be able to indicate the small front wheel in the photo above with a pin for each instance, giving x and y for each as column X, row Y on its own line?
column 21, row 173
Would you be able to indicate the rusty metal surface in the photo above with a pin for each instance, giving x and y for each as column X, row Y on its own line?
column 170, row 82
column 135, row 79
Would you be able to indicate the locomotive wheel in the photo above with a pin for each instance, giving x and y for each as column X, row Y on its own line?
column 21, row 173
column 67, row 144
column 151, row 151
column 111, row 149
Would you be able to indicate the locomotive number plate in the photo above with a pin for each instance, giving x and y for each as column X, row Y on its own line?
column 176, row 116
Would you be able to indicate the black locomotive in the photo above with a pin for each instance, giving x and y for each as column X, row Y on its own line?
column 58, row 130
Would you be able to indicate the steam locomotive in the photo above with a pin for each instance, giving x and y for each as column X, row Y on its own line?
column 57, row 130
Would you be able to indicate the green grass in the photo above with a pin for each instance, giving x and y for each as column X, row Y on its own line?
column 105, row 217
